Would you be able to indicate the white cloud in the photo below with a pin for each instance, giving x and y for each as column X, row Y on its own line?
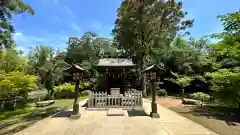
column 22, row 38
column 76, row 27
column 18, row 34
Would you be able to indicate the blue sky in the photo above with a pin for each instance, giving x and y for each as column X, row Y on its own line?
column 55, row 20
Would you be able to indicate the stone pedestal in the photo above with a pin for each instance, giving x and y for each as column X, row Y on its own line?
column 75, row 109
column 154, row 115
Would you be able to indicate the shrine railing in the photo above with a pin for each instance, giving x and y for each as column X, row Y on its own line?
column 129, row 100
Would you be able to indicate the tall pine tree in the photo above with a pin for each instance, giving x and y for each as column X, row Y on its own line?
column 143, row 26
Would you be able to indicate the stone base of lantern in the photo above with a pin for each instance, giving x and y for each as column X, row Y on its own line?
column 154, row 115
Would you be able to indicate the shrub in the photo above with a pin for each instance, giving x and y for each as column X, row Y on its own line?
column 200, row 96
column 17, row 82
column 85, row 85
column 162, row 92
column 67, row 90
column 14, row 85
column 66, row 87
column 184, row 81
column 226, row 86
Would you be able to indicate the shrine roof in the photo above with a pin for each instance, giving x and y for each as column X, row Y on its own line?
column 115, row 62
column 74, row 67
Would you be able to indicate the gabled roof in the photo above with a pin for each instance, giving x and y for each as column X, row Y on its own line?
column 74, row 67
column 153, row 68
column 115, row 62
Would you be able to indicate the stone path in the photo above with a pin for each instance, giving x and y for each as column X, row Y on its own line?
column 133, row 123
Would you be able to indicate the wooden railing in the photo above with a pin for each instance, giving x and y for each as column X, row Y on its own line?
column 129, row 100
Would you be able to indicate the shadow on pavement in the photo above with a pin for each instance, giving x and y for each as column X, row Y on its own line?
column 62, row 114
column 41, row 113
column 229, row 115
column 133, row 113
column 85, row 104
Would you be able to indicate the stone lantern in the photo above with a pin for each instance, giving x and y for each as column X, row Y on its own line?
column 152, row 73
column 77, row 73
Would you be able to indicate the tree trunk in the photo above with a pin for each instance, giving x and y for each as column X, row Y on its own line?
column 143, row 79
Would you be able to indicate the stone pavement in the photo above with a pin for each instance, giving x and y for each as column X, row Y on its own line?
column 132, row 123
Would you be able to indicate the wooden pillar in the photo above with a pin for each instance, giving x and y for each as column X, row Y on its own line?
column 106, row 81
column 123, row 82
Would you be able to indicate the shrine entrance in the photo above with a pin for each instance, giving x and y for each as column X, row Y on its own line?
column 118, row 93
column 116, row 73
column 115, row 80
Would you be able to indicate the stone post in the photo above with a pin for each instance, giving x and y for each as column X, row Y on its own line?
column 154, row 113
column 76, row 101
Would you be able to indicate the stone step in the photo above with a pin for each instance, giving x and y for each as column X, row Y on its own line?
column 115, row 112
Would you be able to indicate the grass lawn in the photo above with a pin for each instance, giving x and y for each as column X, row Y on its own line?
column 14, row 121
column 222, row 120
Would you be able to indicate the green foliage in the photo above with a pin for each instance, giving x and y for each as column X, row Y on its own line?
column 226, row 86
column 231, row 25
column 138, row 29
column 185, row 56
column 162, row 92
column 200, row 96
column 184, row 81
column 200, row 78
column 17, row 82
column 88, row 48
column 84, row 85
column 11, row 61
column 8, row 8
column 144, row 27
column 67, row 90
column 39, row 56
column 66, row 87
column 48, row 67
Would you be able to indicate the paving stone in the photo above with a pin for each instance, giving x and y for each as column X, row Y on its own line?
column 97, row 122
column 115, row 112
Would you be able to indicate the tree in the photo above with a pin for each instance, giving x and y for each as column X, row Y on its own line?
column 38, row 56
column 87, row 50
column 48, row 67
column 231, row 24
column 142, row 26
column 11, row 61
column 7, row 8
column 227, row 50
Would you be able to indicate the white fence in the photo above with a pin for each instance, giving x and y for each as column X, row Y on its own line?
column 129, row 100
